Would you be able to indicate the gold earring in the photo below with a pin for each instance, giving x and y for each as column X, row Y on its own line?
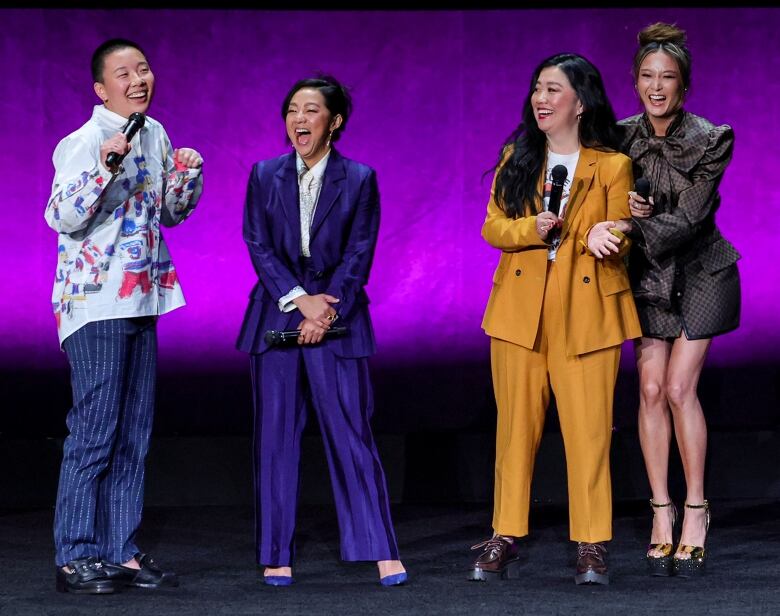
column 330, row 137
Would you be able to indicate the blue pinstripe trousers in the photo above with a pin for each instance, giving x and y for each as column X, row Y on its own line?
column 100, row 495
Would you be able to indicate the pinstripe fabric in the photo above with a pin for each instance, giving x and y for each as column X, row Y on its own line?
column 100, row 494
column 340, row 389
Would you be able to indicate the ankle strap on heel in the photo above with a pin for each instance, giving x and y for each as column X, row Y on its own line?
column 706, row 506
column 654, row 504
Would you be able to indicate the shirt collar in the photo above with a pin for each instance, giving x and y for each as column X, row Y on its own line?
column 317, row 171
column 108, row 119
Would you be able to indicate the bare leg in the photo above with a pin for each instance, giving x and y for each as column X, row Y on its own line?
column 283, row 571
column 685, row 366
column 655, row 431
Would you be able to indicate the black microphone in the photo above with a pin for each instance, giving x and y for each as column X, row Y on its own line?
column 559, row 173
column 642, row 188
column 134, row 123
column 288, row 336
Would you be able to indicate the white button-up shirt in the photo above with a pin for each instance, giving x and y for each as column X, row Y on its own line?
column 112, row 261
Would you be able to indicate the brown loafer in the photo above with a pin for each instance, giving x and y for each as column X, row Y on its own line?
column 591, row 564
column 497, row 561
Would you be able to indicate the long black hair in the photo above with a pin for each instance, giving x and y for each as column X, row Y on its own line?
column 516, row 189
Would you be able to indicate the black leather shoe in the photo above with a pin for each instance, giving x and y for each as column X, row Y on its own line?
column 87, row 577
column 148, row 576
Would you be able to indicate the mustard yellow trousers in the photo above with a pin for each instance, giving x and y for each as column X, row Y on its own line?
column 583, row 386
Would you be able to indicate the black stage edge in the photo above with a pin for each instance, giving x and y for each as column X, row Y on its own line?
column 212, row 549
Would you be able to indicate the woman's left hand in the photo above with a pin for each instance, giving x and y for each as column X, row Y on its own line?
column 601, row 242
column 187, row 158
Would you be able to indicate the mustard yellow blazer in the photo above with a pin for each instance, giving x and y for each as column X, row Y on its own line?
column 598, row 307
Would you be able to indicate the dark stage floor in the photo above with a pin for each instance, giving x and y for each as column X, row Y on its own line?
column 212, row 550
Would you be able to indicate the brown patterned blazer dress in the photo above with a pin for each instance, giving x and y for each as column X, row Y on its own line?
column 683, row 272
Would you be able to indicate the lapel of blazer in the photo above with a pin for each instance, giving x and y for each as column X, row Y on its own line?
column 331, row 189
column 583, row 177
column 287, row 189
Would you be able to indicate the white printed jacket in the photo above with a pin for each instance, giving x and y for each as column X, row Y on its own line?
column 112, row 261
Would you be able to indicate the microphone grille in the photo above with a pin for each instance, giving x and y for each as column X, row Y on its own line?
column 138, row 118
column 642, row 187
column 559, row 173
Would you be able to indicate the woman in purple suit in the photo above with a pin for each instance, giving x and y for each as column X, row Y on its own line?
column 310, row 223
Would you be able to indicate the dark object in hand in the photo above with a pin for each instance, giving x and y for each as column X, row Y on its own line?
column 290, row 336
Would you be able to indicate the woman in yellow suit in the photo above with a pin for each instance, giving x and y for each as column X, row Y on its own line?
column 560, row 306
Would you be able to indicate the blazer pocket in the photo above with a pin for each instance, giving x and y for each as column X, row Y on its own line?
column 614, row 284
column 718, row 255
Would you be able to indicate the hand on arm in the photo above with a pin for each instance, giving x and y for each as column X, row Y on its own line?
column 317, row 309
column 601, row 242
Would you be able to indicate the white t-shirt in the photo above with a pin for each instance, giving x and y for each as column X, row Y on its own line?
column 570, row 162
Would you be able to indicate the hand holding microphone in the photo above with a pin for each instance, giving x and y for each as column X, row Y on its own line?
column 292, row 336
column 548, row 222
column 640, row 202
column 114, row 150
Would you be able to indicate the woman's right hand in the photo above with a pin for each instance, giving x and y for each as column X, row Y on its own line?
column 118, row 143
column 638, row 206
column 546, row 222
column 317, row 308
column 311, row 332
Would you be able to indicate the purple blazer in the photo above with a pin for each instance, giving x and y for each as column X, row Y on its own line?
column 342, row 241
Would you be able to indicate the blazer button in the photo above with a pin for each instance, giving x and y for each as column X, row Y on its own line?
column 586, row 280
column 518, row 272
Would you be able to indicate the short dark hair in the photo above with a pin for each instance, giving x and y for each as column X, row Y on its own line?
column 106, row 48
column 337, row 98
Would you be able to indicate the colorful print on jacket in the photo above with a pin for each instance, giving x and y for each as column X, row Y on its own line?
column 112, row 261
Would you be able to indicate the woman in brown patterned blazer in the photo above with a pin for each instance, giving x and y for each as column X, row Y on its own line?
column 685, row 282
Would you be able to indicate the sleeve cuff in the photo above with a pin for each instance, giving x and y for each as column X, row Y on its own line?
column 286, row 302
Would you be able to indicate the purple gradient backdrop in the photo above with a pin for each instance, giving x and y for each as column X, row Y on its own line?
column 435, row 95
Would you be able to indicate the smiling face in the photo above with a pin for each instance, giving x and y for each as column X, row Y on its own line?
column 309, row 124
column 128, row 82
column 660, row 89
column 556, row 105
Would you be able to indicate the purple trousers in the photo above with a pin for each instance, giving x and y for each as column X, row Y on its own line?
column 283, row 381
